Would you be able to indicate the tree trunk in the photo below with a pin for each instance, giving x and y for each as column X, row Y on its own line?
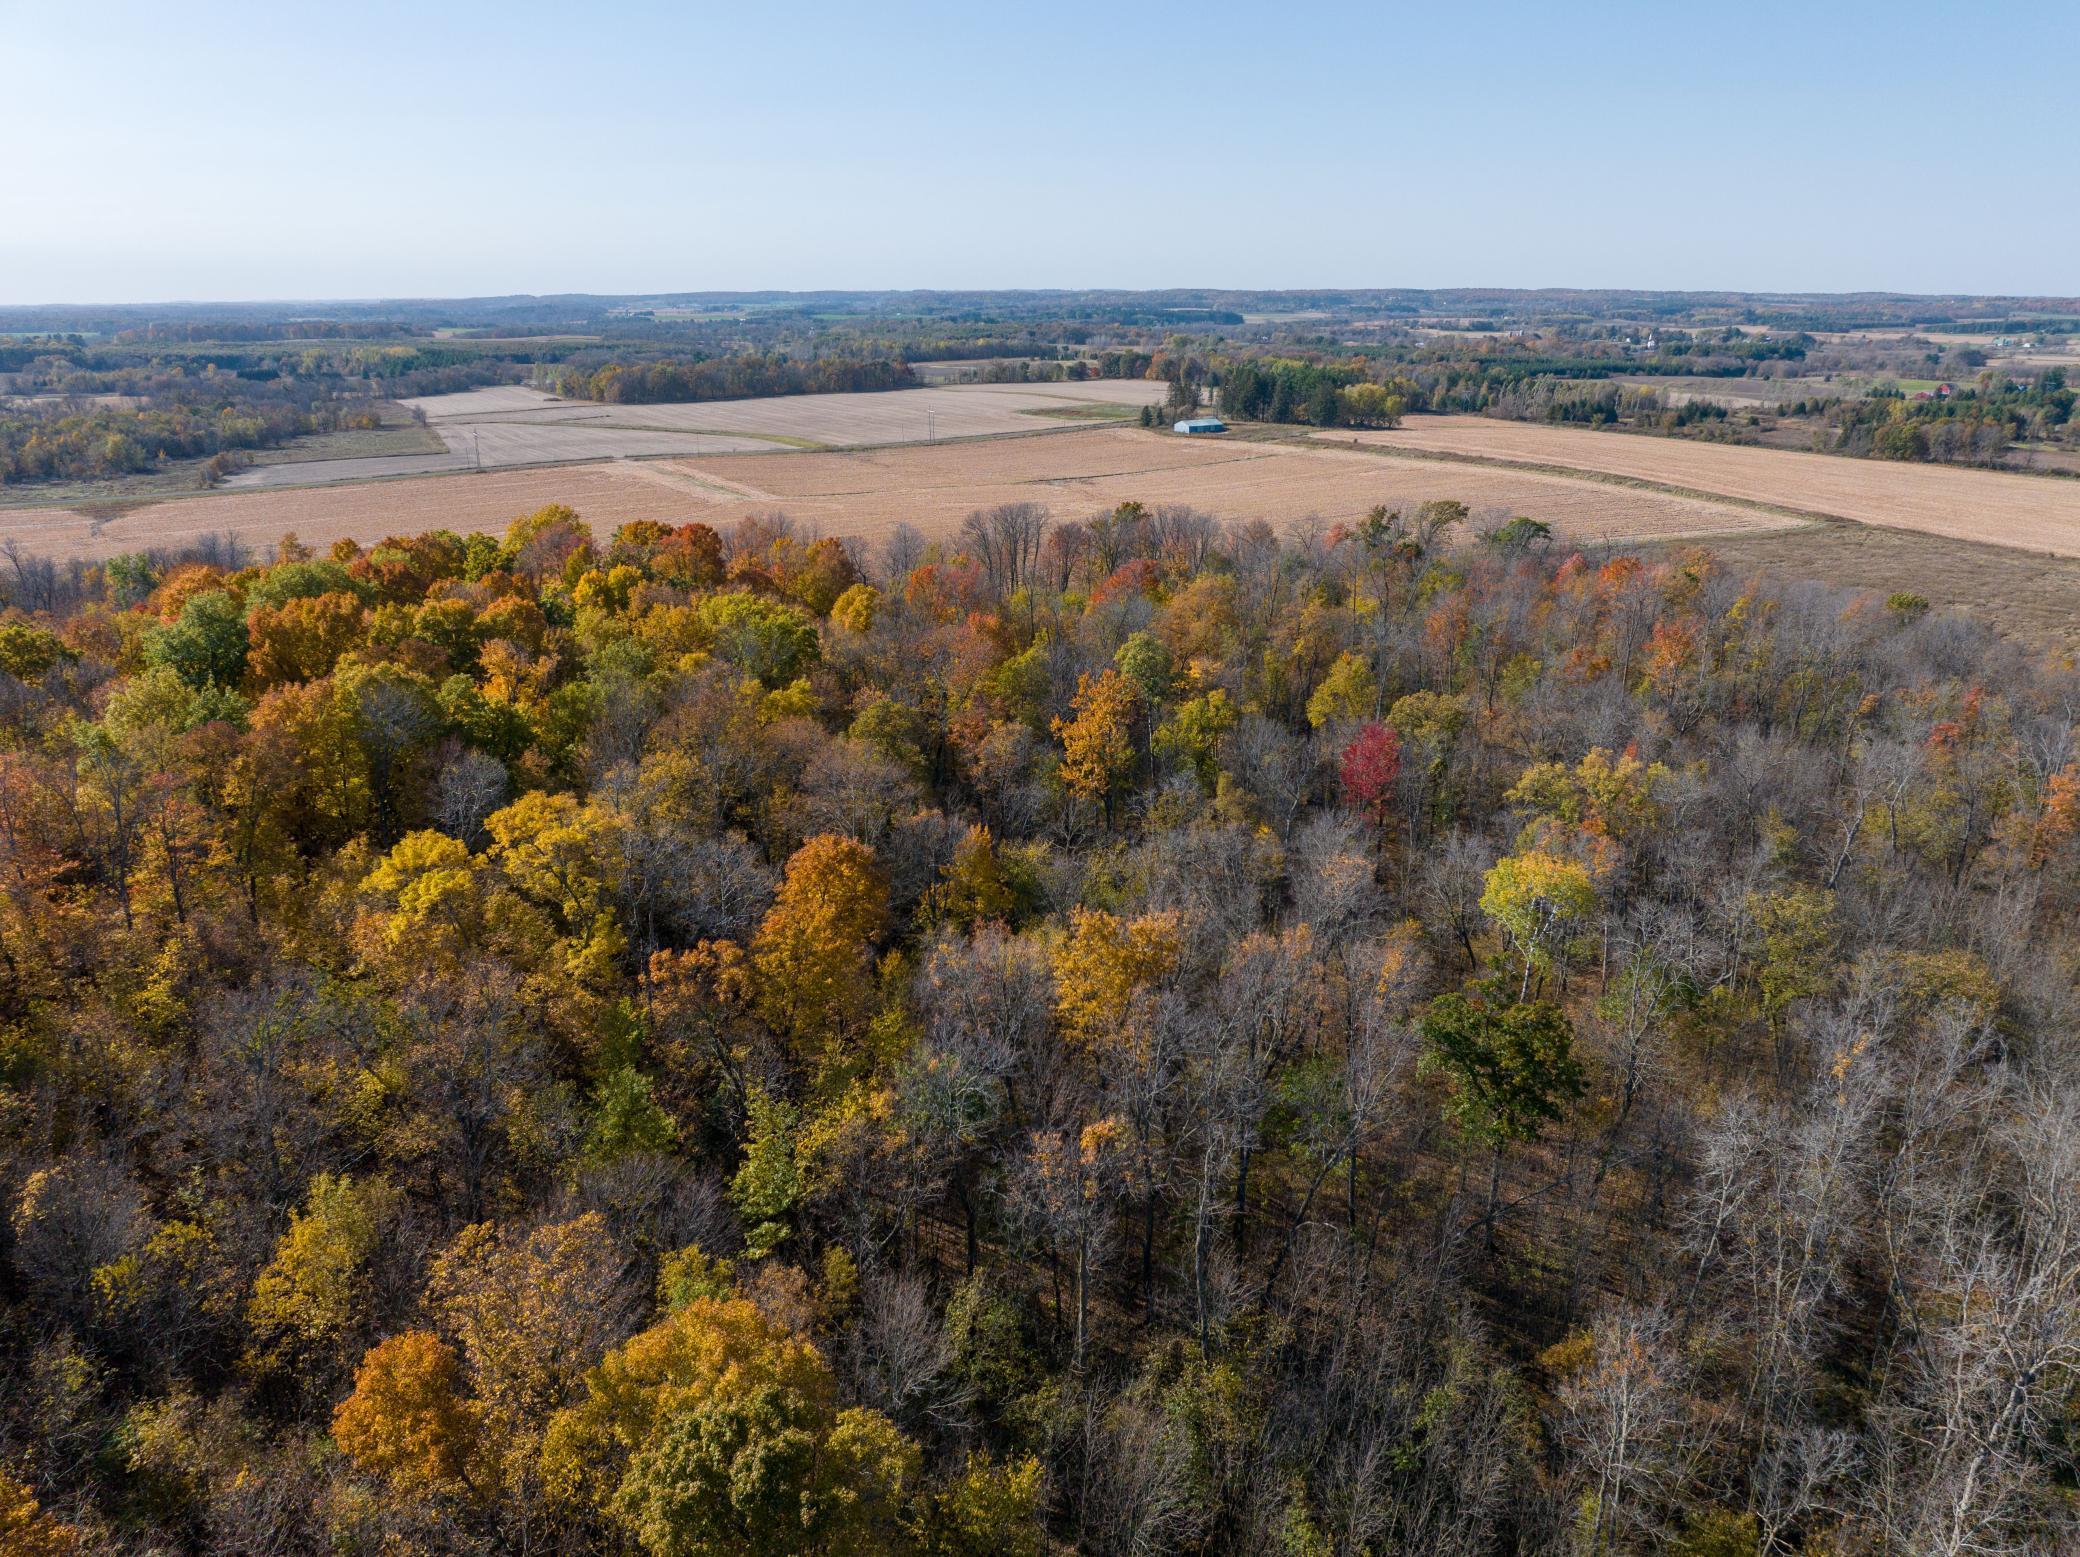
column 1201, row 1241
column 1242, row 1202
column 960, row 1190
column 1148, row 1256
column 1494, row 1194
column 1083, row 1294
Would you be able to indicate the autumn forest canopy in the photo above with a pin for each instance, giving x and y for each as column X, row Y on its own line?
column 1124, row 1033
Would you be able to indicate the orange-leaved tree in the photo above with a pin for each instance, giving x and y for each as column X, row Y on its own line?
column 407, row 1420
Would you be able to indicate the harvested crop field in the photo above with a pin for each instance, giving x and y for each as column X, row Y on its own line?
column 508, row 425
column 866, row 493
column 2033, row 513
column 885, row 416
column 607, row 494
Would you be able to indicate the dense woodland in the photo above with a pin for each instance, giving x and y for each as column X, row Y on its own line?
column 1324, row 395
column 80, row 439
column 1974, row 425
column 1123, row 1035
column 70, row 412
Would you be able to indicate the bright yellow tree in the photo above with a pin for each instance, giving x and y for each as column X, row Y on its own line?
column 557, row 851
column 811, row 952
column 971, row 889
column 1103, row 962
column 424, row 902
column 1349, row 691
column 1612, row 797
column 531, row 1309
column 1539, row 900
column 26, row 1530
column 314, row 1291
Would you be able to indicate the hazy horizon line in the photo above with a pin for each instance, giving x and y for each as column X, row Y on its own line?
column 1301, row 290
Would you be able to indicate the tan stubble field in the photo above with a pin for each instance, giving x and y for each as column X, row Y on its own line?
column 867, row 493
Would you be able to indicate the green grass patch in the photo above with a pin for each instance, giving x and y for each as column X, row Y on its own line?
column 408, row 437
column 177, row 478
column 1088, row 411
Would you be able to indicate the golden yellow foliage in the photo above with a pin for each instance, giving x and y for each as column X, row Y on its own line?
column 680, row 1440
column 1539, row 899
column 556, row 851
column 971, row 888
column 1103, row 962
column 1349, row 691
column 313, row 1292
column 301, row 639
column 1098, row 745
column 811, row 951
column 855, row 609
column 1611, row 797
column 406, row 1420
column 26, row 1530
column 530, row 1309
column 429, row 885
column 990, row 1510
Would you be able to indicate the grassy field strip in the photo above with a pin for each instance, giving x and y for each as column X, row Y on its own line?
column 2030, row 596
column 2004, row 508
column 1601, row 477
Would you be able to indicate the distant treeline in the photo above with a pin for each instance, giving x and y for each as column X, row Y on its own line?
column 1505, row 389
column 1600, row 403
column 265, row 330
column 1124, row 363
column 721, row 323
column 1973, row 425
column 91, row 412
column 59, row 365
column 746, row 377
column 1340, row 391
column 18, row 356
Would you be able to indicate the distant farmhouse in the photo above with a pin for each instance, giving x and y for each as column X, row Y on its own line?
column 1200, row 424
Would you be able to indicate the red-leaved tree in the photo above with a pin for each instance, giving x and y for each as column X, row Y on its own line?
column 1371, row 763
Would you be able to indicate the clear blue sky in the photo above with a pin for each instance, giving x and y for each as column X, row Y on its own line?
column 245, row 150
